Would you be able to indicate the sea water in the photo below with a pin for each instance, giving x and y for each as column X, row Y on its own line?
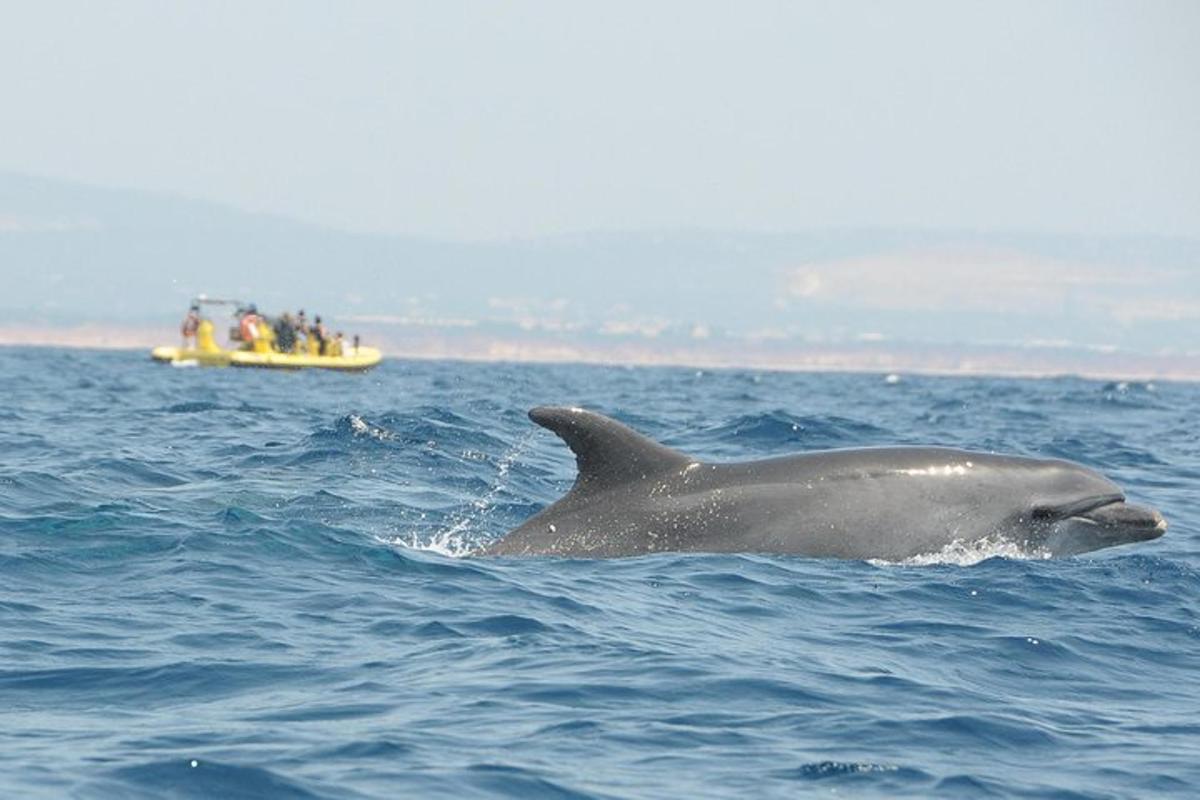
column 236, row 584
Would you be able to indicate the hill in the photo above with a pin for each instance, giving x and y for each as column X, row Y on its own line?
column 73, row 254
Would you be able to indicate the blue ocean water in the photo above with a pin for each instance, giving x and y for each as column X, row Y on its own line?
column 239, row 584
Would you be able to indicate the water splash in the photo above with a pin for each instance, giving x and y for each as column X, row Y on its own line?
column 459, row 539
column 360, row 427
column 963, row 553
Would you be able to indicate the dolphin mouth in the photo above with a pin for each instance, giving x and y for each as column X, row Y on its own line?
column 1141, row 522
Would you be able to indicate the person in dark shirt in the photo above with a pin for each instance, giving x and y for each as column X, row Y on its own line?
column 285, row 333
column 319, row 332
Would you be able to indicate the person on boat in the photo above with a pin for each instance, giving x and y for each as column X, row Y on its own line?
column 335, row 347
column 191, row 324
column 248, row 326
column 320, row 334
column 301, row 332
column 285, row 333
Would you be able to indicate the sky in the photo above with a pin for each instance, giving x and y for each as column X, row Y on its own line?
column 496, row 121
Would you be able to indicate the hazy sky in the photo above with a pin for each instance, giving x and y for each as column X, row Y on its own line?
column 488, row 119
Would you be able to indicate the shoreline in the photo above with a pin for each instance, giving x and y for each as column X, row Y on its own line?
column 876, row 358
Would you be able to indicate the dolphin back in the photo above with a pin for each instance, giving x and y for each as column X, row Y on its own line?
column 607, row 453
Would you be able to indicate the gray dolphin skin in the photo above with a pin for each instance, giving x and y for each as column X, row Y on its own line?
column 634, row 496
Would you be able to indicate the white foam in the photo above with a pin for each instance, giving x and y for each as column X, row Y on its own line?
column 442, row 544
column 363, row 428
column 962, row 553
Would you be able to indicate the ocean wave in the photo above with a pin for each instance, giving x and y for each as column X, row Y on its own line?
column 276, row 591
column 777, row 430
column 200, row 778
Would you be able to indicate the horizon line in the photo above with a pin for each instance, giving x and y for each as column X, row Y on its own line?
column 816, row 360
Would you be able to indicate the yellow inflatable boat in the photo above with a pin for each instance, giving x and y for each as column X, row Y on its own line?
column 259, row 347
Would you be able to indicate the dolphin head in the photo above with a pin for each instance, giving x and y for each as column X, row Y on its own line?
column 1075, row 510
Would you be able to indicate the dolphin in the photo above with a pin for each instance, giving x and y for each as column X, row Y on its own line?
column 635, row 496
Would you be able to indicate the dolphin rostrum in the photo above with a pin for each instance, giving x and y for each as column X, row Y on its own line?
column 634, row 496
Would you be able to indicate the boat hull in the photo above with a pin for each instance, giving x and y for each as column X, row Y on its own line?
column 363, row 359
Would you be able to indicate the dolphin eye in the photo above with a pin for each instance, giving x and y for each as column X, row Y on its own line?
column 1043, row 514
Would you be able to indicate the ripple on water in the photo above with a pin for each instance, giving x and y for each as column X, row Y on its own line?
column 201, row 778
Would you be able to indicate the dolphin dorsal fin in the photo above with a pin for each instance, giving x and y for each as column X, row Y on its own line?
column 607, row 453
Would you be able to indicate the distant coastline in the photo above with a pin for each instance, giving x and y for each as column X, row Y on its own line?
column 114, row 268
column 871, row 357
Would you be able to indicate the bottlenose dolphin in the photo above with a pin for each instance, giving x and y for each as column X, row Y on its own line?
column 635, row 496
